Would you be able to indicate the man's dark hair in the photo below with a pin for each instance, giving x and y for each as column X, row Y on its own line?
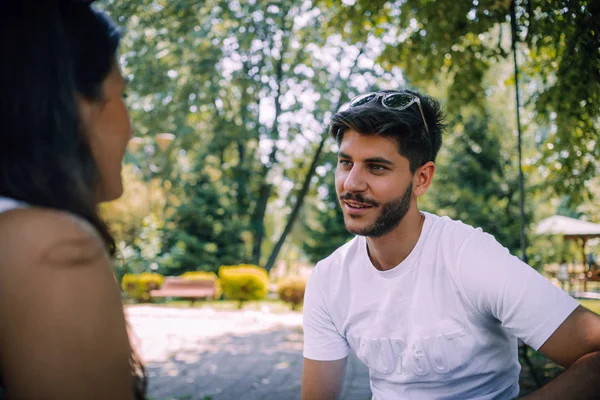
column 406, row 126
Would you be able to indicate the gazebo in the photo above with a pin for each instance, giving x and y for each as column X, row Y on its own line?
column 571, row 229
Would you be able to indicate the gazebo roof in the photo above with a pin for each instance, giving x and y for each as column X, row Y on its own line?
column 568, row 227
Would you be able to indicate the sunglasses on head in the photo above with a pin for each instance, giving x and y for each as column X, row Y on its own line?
column 391, row 101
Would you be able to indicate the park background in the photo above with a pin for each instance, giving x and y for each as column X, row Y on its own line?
column 232, row 164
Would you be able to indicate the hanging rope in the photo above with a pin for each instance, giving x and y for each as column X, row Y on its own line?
column 513, row 25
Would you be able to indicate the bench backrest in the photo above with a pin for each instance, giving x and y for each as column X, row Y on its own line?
column 179, row 283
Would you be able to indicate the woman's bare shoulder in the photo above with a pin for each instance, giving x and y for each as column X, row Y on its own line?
column 47, row 236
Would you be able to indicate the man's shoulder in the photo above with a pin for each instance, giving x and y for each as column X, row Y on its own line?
column 451, row 235
column 343, row 255
column 448, row 228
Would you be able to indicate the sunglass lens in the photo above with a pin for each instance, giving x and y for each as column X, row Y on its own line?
column 361, row 100
column 398, row 100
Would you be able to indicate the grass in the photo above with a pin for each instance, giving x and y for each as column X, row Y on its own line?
column 545, row 368
column 593, row 305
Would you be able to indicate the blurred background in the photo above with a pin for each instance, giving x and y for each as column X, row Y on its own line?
column 230, row 197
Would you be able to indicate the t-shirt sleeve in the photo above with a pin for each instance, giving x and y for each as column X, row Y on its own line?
column 322, row 340
column 499, row 285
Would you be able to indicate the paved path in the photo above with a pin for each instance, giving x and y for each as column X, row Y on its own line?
column 200, row 353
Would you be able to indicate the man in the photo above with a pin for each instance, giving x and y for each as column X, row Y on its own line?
column 591, row 261
column 432, row 306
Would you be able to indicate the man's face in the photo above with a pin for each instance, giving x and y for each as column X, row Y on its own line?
column 373, row 183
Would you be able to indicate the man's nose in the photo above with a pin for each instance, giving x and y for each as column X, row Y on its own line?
column 355, row 181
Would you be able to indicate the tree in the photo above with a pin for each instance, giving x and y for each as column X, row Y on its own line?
column 227, row 80
column 203, row 233
column 458, row 42
column 324, row 228
column 474, row 183
column 136, row 223
column 248, row 88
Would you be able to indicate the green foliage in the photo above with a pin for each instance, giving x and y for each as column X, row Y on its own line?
column 291, row 290
column 324, row 228
column 205, row 276
column 207, row 75
column 545, row 250
column 244, row 282
column 203, row 231
column 593, row 305
column 564, row 61
column 248, row 88
column 456, row 43
column 136, row 223
column 475, row 183
column 138, row 286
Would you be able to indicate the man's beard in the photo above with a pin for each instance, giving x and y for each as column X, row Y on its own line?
column 391, row 215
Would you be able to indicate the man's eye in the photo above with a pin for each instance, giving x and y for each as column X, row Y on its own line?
column 378, row 168
column 344, row 162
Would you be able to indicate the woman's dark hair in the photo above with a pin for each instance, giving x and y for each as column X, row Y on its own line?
column 406, row 127
column 51, row 52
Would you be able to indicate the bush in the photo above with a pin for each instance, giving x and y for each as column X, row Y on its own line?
column 138, row 286
column 205, row 276
column 291, row 290
column 244, row 282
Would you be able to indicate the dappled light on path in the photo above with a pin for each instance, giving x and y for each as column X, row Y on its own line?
column 198, row 352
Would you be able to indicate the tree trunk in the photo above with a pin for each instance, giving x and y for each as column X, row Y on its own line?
column 258, row 221
column 241, row 171
column 306, row 185
column 258, row 217
column 299, row 202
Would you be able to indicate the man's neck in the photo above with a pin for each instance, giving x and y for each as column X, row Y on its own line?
column 387, row 251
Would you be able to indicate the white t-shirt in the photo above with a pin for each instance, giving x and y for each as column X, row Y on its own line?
column 7, row 204
column 443, row 324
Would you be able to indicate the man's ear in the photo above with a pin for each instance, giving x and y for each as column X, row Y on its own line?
column 423, row 177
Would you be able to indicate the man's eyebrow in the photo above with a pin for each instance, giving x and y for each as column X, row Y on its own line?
column 379, row 160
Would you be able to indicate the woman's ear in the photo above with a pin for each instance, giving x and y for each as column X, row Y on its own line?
column 85, row 109
column 88, row 110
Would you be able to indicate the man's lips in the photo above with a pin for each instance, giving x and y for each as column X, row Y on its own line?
column 356, row 204
column 355, row 208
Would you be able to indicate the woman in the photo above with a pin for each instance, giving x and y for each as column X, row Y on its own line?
column 64, row 128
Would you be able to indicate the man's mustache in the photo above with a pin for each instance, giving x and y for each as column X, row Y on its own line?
column 357, row 197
